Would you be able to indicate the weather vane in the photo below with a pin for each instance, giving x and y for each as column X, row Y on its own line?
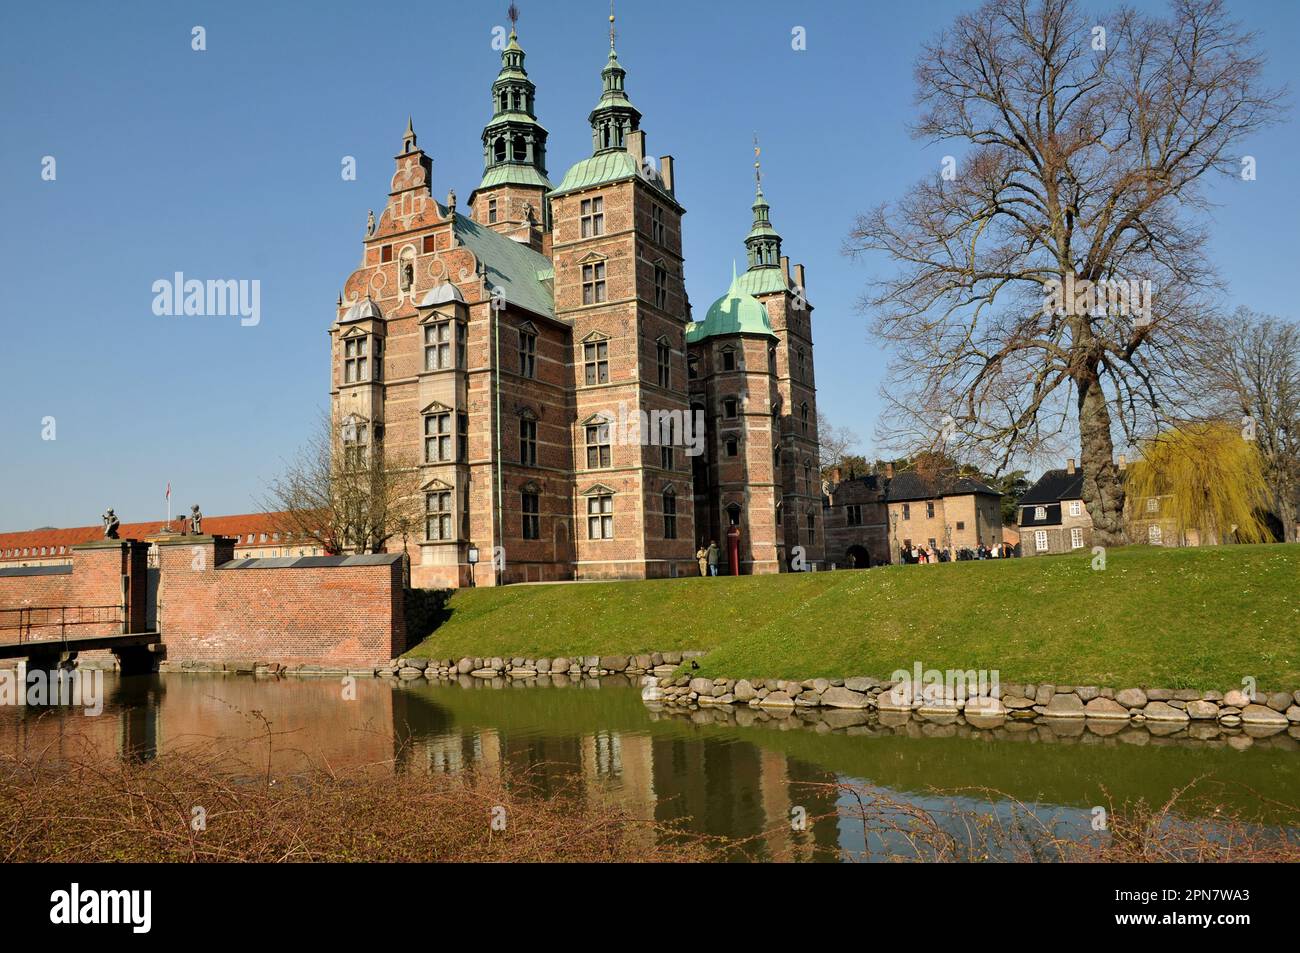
column 513, row 15
column 611, row 24
column 758, row 172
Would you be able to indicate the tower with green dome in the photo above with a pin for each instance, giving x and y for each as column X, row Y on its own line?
column 511, row 197
column 751, row 360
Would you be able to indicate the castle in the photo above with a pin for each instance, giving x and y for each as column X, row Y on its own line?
column 534, row 354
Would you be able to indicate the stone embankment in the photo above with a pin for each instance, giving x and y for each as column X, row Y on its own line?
column 1013, row 700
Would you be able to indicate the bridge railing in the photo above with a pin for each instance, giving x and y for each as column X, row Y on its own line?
column 22, row 621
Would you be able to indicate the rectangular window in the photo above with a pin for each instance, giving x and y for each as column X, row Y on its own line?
column 600, row 517
column 661, row 287
column 593, row 217
column 929, row 510
column 670, row 516
column 731, row 446
column 1076, row 537
column 437, row 515
column 531, row 508
column 593, row 283
column 1153, row 505
column 527, row 354
column 854, row 514
column 598, row 452
column 693, row 367
column 355, row 361
column 428, row 245
column 492, row 211
column 437, row 346
column 1155, row 536
column 907, row 511
column 462, row 340
column 596, row 359
column 666, row 457
column 1076, row 507
column 462, row 438
column 961, row 524
column 729, row 408
column 812, row 529
column 528, row 441
column 356, row 451
column 657, row 224
column 728, row 359
column 1040, row 540
column 386, row 253
column 1040, row 513
column 437, row 438
column 663, row 360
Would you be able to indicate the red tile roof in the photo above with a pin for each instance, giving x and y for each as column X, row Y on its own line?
column 12, row 544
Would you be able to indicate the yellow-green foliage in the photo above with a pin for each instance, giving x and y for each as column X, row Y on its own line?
column 1210, row 480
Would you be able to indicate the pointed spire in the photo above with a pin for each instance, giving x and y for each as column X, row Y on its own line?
column 514, row 142
column 763, row 243
column 408, row 139
column 614, row 117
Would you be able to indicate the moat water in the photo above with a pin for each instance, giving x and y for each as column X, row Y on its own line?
column 780, row 784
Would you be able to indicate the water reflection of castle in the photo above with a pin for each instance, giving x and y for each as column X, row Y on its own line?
column 669, row 774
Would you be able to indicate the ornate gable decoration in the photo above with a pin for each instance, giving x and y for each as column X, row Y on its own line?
column 598, row 489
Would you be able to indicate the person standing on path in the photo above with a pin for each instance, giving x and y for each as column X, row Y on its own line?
column 713, row 557
column 702, row 557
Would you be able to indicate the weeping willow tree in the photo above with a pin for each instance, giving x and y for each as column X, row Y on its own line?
column 1209, row 479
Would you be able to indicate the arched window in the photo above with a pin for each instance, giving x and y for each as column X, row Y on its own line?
column 499, row 149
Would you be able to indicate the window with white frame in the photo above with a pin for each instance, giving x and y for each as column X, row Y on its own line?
column 1040, row 540
column 437, row 515
column 595, row 357
column 1155, row 536
column 598, row 447
column 356, row 360
column 1153, row 505
column 1076, row 537
column 1040, row 512
column 600, row 516
column 437, row 438
column 1076, row 508
column 437, row 346
column 593, row 217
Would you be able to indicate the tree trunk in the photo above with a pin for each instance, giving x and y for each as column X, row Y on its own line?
column 1103, row 493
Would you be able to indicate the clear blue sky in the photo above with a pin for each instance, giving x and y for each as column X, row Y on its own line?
column 225, row 164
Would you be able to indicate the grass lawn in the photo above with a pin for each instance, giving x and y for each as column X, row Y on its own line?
column 1170, row 618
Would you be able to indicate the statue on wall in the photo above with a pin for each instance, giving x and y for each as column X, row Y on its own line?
column 196, row 520
column 111, row 524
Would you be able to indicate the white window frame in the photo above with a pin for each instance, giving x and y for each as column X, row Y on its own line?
column 1076, row 537
column 1040, row 540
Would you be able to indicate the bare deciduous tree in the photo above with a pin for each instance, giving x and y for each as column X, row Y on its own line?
column 834, row 442
column 1086, row 157
column 1253, row 376
column 345, row 493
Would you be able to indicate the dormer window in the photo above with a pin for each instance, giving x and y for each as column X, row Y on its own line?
column 1040, row 512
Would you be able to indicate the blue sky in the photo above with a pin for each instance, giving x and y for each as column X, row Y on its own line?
column 225, row 164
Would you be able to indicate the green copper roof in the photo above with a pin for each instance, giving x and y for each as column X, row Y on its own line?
column 736, row 312
column 514, row 173
column 761, row 281
column 598, row 170
column 511, row 266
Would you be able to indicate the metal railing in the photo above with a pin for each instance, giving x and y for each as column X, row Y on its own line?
column 24, row 619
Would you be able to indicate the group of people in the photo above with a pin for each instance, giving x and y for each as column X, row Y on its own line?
column 920, row 554
column 707, row 557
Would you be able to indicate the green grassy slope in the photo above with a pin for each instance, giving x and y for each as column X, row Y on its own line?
column 1200, row 618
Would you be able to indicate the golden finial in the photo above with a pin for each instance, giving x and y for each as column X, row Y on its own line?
column 512, row 14
column 758, row 169
column 611, row 24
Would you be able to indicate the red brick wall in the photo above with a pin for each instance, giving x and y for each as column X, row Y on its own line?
column 95, row 581
column 337, row 616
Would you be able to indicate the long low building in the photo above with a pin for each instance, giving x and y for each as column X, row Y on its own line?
column 256, row 536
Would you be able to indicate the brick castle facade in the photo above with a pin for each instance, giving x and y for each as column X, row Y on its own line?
column 534, row 354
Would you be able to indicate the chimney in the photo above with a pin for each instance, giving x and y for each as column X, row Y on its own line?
column 889, row 471
column 666, row 171
column 1069, row 466
column 1123, row 462
column 636, row 146
column 798, row 277
column 785, row 266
